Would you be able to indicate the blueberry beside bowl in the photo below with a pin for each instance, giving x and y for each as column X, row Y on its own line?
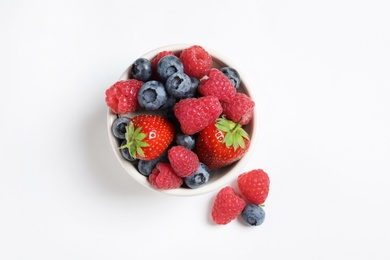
column 219, row 178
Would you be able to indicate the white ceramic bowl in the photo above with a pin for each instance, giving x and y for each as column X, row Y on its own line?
column 219, row 178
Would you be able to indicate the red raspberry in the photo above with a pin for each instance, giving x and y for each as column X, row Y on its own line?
column 195, row 114
column 254, row 185
column 240, row 107
column 164, row 178
column 122, row 97
column 218, row 85
column 184, row 162
column 227, row 206
column 196, row 61
column 159, row 56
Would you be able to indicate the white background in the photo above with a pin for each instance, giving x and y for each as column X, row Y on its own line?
column 320, row 74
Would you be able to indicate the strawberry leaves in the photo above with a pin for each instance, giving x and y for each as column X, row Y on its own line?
column 148, row 136
column 235, row 134
column 134, row 141
column 221, row 143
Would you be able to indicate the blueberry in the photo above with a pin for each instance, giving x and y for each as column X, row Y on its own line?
column 194, row 87
column 233, row 76
column 146, row 167
column 142, row 69
column 170, row 115
column 171, row 101
column 199, row 178
column 119, row 127
column 125, row 153
column 152, row 95
column 178, row 84
column 188, row 141
column 167, row 66
column 253, row 215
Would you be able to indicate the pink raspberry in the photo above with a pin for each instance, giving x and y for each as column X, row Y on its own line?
column 184, row 162
column 240, row 107
column 227, row 206
column 164, row 178
column 195, row 114
column 218, row 85
column 196, row 61
column 122, row 97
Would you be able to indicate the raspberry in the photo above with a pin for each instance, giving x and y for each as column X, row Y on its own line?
column 218, row 85
column 164, row 178
column 159, row 56
column 195, row 114
column 227, row 206
column 184, row 162
column 240, row 107
column 254, row 185
column 122, row 97
column 196, row 60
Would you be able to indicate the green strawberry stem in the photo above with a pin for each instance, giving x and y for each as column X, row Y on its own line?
column 134, row 141
column 235, row 134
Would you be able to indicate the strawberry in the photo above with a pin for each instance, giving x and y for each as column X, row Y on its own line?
column 222, row 143
column 227, row 206
column 254, row 185
column 148, row 136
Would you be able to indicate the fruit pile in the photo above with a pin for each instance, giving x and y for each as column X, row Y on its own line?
column 228, row 204
column 179, row 119
column 190, row 117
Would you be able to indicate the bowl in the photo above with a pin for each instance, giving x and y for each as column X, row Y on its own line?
column 220, row 177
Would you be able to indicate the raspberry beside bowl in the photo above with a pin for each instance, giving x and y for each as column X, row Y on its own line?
column 220, row 177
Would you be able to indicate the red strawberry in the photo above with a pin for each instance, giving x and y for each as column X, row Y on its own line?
column 194, row 114
column 122, row 97
column 221, row 144
column 240, row 108
column 227, row 206
column 164, row 178
column 196, row 61
column 184, row 162
column 148, row 136
column 218, row 85
column 254, row 185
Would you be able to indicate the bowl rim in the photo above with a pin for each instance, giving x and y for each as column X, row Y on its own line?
column 235, row 169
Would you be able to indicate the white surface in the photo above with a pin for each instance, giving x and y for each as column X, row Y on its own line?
column 321, row 69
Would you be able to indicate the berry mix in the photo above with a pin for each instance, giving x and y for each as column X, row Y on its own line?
column 198, row 128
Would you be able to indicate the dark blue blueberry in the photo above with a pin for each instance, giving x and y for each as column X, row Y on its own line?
column 171, row 101
column 188, row 141
column 170, row 115
column 194, row 87
column 152, row 95
column 253, row 214
column 167, row 66
column 146, row 167
column 142, row 69
column 233, row 76
column 125, row 153
column 178, row 85
column 199, row 178
column 119, row 127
